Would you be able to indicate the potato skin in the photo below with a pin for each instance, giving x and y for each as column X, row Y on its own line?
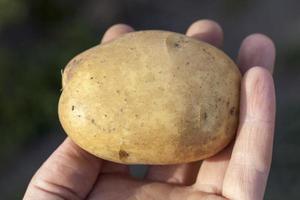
column 151, row 97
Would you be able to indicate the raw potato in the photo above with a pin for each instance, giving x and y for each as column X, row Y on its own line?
column 151, row 97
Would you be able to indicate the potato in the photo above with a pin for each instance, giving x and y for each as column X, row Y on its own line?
column 151, row 97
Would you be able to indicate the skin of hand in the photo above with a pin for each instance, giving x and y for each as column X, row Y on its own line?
column 239, row 172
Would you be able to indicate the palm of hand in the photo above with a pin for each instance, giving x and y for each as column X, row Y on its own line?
column 238, row 172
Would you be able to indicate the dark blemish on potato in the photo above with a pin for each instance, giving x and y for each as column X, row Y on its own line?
column 118, row 91
column 160, row 72
column 212, row 138
column 187, row 63
column 227, row 103
column 136, row 115
column 105, row 115
column 123, row 154
column 114, row 129
column 204, row 115
column 78, row 115
column 177, row 45
column 219, row 99
column 91, row 78
column 231, row 111
column 227, row 130
column 104, row 76
column 208, row 53
column 75, row 61
column 205, row 50
column 93, row 121
column 125, row 99
column 73, row 107
column 121, row 110
column 187, row 121
column 131, row 48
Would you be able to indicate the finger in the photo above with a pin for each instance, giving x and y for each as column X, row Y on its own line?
column 208, row 31
column 256, row 50
column 131, row 189
column 69, row 173
column 116, row 31
column 250, row 161
column 185, row 174
column 211, row 174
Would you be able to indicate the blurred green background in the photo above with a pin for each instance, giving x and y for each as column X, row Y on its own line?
column 38, row 38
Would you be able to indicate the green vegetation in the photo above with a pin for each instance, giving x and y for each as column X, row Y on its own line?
column 36, row 41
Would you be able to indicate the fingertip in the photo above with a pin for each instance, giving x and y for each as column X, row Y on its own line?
column 116, row 31
column 258, row 95
column 250, row 161
column 257, row 50
column 206, row 30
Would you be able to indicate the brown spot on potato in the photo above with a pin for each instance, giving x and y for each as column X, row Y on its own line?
column 91, row 78
column 231, row 111
column 177, row 45
column 204, row 115
column 123, row 154
column 73, row 107
column 75, row 61
column 227, row 103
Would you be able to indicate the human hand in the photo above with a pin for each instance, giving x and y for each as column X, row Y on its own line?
column 238, row 172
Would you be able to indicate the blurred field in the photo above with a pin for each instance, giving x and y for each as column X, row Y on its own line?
column 38, row 37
